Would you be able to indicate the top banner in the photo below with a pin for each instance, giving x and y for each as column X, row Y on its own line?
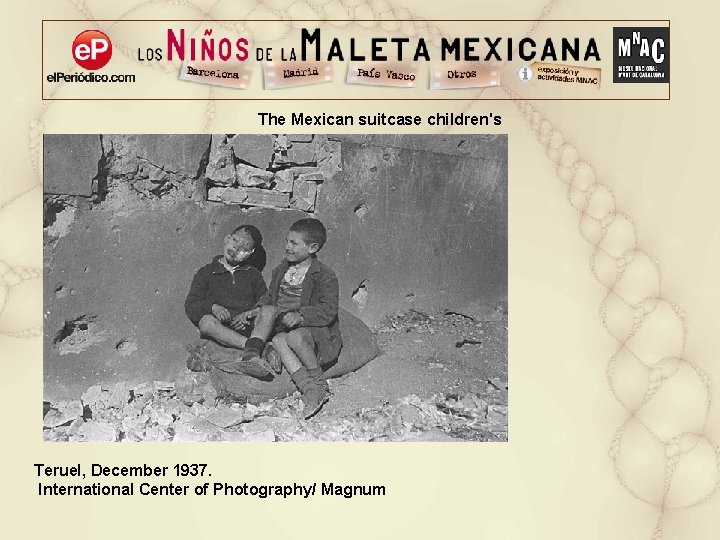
column 337, row 60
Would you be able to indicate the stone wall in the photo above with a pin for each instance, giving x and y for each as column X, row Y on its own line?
column 414, row 222
column 274, row 171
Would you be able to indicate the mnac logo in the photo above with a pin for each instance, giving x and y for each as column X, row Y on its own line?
column 641, row 54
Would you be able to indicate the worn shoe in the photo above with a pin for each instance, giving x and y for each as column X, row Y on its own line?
column 272, row 357
column 254, row 369
column 314, row 397
column 252, row 364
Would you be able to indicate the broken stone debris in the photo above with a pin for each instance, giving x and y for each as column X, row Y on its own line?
column 455, row 312
column 408, row 320
column 93, row 431
column 257, row 150
column 280, row 146
column 185, row 433
column 465, row 329
column 252, row 177
column 156, row 412
column 498, row 384
column 125, row 171
column 220, row 169
column 304, row 194
column 315, row 177
column 497, row 413
column 482, row 312
column 266, row 171
column 225, row 417
column 164, row 386
column 152, row 181
column 301, row 152
column 119, row 396
column 434, row 435
column 279, row 424
column 151, row 166
column 284, row 180
column 240, row 436
column 192, row 388
column 408, row 415
column 92, row 395
column 63, row 413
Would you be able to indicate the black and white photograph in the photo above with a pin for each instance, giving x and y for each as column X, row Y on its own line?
column 275, row 288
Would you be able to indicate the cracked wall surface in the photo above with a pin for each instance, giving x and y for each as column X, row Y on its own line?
column 414, row 222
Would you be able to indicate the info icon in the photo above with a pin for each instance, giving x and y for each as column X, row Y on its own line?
column 525, row 74
column 91, row 49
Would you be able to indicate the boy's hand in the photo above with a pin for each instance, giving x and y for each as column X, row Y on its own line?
column 241, row 321
column 292, row 319
column 221, row 313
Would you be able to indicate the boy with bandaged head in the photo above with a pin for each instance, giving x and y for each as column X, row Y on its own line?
column 221, row 296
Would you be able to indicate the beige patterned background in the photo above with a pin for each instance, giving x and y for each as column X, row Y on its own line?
column 614, row 258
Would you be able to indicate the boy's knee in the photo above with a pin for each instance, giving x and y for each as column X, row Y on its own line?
column 298, row 338
column 207, row 323
column 279, row 339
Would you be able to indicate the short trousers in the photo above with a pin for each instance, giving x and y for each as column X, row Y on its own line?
column 319, row 334
column 245, row 332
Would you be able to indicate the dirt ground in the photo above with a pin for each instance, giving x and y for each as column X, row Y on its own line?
column 420, row 355
column 439, row 377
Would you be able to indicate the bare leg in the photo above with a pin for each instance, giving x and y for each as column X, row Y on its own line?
column 212, row 327
column 301, row 343
column 264, row 322
column 291, row 362
column 299, row 349
column 263, row 327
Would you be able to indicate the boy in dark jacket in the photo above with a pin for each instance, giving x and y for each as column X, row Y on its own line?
column 221, row 296
column 301, row 309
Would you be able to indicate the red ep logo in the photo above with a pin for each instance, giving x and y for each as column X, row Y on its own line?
column 92, row 49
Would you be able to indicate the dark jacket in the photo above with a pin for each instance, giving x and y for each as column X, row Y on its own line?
column 319, row 303
column 214, row 284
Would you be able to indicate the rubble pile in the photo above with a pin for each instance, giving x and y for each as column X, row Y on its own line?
column 190, row 410
column 466, row 329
